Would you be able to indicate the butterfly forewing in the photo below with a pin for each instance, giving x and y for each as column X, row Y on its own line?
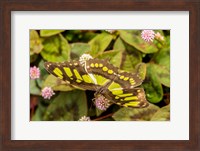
column 73, row 73
column 107, row 70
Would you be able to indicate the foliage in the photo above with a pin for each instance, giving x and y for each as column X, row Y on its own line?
column 124, row 49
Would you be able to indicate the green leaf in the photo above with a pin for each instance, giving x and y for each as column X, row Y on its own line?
column 48, row 32
column 56, row 84
column 137, row 42
column 119, row 45
column 99, row 112
column 162, row 73
column 43, row 74
column 130, row 60
column 135, row 114
column 162, row 114
column 152, row 85
column 78, row 49
column 141, row 70
column 99, row 43
column 130, row 56
column 39, row 113
column 35, row 43
column 56, row 49
column 67, row 106
column 114, row 57
column 34, row 89
column 161, row 64
column 162, row 57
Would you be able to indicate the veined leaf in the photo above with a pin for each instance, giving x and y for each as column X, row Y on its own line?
column 56, row 84
column 162, row 114
column 56, row 49
column 163, row 74
column 34, row 89
column 114, row 57
column 43, row 74
column 35, row 43
column 99, row 43
column 152, row 85
column 119, row 45
column 135, row 114
column 78, row 49
column 162, row 57
column 67, row 106
column 137, row 42
column 49, row 32
column 130, row 60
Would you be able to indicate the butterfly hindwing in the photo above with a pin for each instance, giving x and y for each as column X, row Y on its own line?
column 133, row 98
column 125, row 97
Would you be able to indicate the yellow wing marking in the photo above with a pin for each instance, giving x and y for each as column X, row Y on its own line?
column 87, row 79
column 78, row 81
column 96, row 65
column 58, row 72
column 132, row 81
column 100, row 79
column 131, row 98
column 92, row 65
column 115, row 88
column 78, row 76
column 110, row 71
column 68, row 71
column 121, row 77
column 117, row 97
column 125, row 95
column 105, row 69
column 132, row 104
column 100, row 65
column 126, row 78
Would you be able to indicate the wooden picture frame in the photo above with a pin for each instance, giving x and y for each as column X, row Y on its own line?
column 7, row 6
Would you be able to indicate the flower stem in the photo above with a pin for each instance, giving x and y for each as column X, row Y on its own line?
column 103, row 117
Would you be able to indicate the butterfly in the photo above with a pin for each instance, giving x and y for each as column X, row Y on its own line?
column 108, row 81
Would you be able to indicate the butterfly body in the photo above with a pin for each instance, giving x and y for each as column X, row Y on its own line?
column 104, row 78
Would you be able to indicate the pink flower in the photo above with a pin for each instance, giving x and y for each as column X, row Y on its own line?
column 148, row 35
column 47, row 93
column 101, row 102
column 34, row 72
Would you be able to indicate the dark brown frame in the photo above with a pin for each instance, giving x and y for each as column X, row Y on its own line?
column 6, row 6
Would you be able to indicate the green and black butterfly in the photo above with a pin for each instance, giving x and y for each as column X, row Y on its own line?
column 107, row 80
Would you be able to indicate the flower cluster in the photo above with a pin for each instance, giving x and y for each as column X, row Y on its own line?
column 47, row 93
column 84, row 58
column 84, row 118
column 101, row 102
column 148, row 35
column 34, row 73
